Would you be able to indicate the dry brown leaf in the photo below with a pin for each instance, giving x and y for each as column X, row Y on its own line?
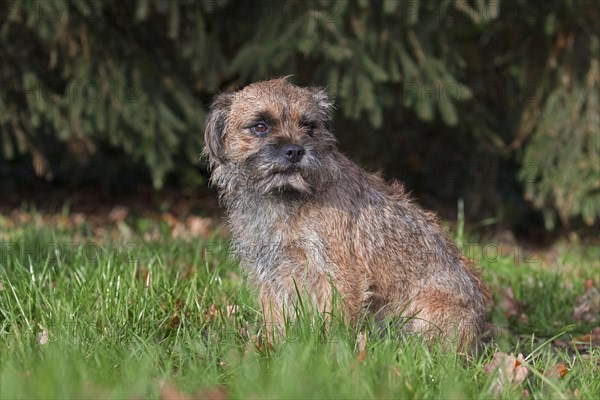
column 217, row 393
column 175, row 321
column 186, row 273
column 593, row 337
column 244, row 330
column 199, row 226
column 78, row 218
column 153, row 235
column 21, row 217
column 179, row 232
column 170, row 392
column 509, row 370
column 179, row 304
column 361, row 346
column 258, row 343
column 170, row 219
column 118, row 214
column 513, row 307
column 588, row 306
column 557, row 372
column 231, row 310
column 562, row 370
column 573, row 394
column 176, row 317
column 211, row 313
column 43, row 337
column 63, row 222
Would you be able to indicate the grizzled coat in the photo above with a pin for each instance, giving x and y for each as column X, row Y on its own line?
column 321, row 220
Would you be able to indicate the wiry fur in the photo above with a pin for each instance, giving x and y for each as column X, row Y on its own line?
column 326, row 221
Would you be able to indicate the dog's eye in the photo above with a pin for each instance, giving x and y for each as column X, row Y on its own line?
column 309, row 127
column 260, row 129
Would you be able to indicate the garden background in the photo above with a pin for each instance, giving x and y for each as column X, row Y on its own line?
column 115, row 275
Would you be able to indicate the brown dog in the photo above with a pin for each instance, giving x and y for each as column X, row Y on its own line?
column 305, row 216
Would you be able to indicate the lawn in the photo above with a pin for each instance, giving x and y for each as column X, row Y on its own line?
column 133, row 310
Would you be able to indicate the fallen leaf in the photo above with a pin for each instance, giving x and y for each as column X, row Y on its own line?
column 557, row 371
column 118, row 214
column 593, row 337
column 78, row 218
column 21, row 217
column 199, row 226
column 179, row 304
column 153, row 235
column 211, row 313
column 361, row 346
column 508, row 369
column 176, row 317
column 170, row 392
column 43, row 337
column 513, row 307
column 231, row 310
column 245, row 331
column 63, row 222
column 562, row 369
column 177, row 228
column 588, row 306
column 179, row 232
column 217, row 393
column 187, row 273
column 175, row 321
column 260, row 343
column 170, row 219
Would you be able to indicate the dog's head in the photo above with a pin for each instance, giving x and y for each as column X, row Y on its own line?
column 273, row 136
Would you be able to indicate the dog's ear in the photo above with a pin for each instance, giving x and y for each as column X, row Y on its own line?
column 215, row 127
column 325, row 102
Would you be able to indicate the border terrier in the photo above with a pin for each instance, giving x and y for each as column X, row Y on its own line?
column 302, row 215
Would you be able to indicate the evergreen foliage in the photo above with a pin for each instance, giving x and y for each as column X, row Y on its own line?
column 517, row 80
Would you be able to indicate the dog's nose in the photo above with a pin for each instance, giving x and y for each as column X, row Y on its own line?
column 293, row 152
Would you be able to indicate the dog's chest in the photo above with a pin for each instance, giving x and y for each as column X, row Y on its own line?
column 271, row 238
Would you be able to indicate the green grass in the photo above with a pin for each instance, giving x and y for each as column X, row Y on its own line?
column 125, row 316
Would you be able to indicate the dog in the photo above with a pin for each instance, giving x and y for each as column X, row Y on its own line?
column 305, row 218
